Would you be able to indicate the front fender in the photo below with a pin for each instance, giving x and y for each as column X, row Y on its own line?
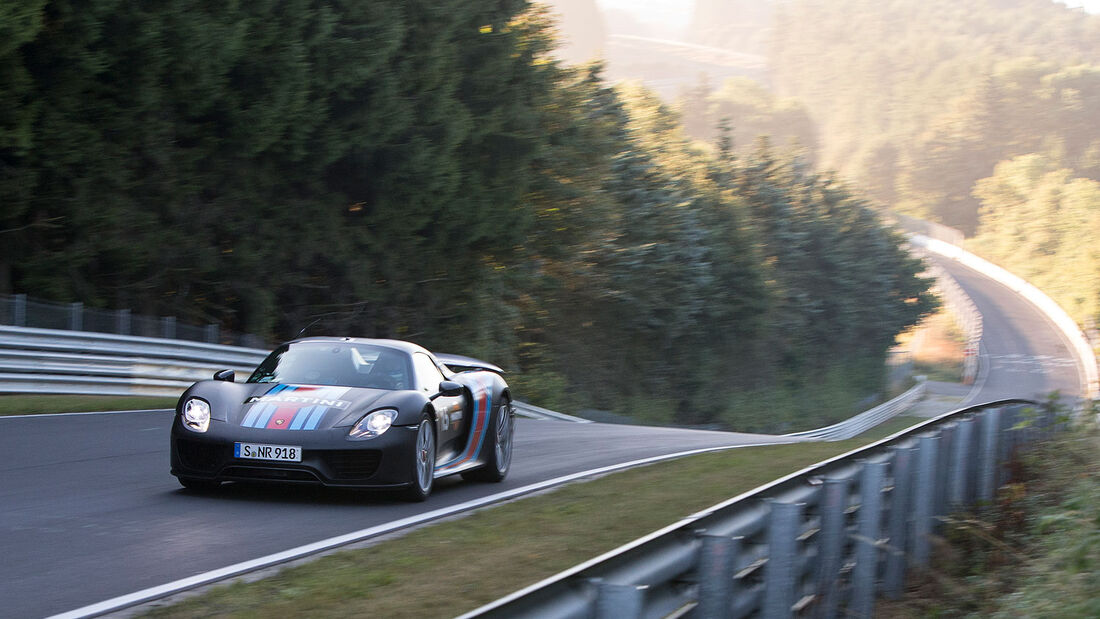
column 408, row 404
column 222, row 396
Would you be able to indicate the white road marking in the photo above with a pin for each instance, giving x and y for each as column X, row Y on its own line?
column 154, row 593
column 41, row 415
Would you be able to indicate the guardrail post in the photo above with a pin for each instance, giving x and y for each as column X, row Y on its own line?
column 894, row 579
column 19, row 310
column 943, row 471
column 869, row 532
column 987, row 471
column 212, row 334
column 960, row 465
column 780, row 570
column 122, row 322
column 76, row 316
column 1049, row 419
column 716, row 569
column 924, row 491
column 168, row 327
column 614, row 601
column 1006, row 445
column 834, row 513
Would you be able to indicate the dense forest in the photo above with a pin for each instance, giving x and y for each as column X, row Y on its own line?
column 980, row 115
column 429, row 171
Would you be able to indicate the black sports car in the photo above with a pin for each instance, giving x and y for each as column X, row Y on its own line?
column 347, row 412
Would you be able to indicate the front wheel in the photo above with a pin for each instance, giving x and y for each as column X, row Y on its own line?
column 423, row 464
column 500, row 446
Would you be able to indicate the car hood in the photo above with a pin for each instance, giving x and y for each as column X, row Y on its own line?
column 304, row 407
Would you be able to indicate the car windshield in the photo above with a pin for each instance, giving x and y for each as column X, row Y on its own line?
column 335, row 363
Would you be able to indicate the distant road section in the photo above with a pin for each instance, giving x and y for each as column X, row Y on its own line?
column 1022, row 354
column 669, row 67
column 715, row 56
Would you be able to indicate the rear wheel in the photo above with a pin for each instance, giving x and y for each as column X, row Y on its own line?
column 423, row 464
column 499, row 445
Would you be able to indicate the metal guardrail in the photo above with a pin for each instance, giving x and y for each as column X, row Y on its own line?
column 536, row 412
column 19, row 310
column 824, row 541
column 50, row 361
column 868, row 419
column 966, row 315
column 57, row 361
column 81, row 362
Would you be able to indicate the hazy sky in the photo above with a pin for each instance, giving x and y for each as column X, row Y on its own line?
column 672, row 13
column 1092, row 6
column 677, row 13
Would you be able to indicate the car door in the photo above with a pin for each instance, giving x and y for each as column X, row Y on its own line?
column 450, row 411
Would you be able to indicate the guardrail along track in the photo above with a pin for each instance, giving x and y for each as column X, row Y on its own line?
column 824, row 541
column 81, row 362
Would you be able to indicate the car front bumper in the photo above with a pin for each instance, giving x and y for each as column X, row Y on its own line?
column 328, row 457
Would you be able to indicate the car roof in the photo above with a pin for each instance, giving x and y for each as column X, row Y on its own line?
column 403, row 346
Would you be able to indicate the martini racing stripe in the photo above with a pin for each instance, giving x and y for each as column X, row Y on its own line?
column 265, row 415
column 290, row 407
column 253, row 414
column 301, row 418
column 483, row 400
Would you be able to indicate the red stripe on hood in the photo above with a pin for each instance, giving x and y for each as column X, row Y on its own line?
column 282, row 417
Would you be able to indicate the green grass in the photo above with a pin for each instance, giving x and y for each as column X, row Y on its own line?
column 941, row 371
column 455, row 566
column 36, row 404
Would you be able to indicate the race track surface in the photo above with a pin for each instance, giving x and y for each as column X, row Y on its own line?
column 89, row 512
column 1022, row 354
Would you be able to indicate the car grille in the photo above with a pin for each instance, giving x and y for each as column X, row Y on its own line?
column 353, row 463
column 250, row 472
column 199, row 456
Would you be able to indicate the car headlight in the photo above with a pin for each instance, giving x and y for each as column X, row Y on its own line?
column 196, row 415
column 372, row 425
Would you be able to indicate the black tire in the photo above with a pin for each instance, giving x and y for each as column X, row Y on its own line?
column 422, row 473
column 499, row 443
column 199, row 485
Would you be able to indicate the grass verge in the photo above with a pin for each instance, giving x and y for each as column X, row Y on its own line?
column 937, row 346
column 455, row 566
column 37, row 404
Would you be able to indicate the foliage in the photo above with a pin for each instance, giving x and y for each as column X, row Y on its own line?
column 263, row 163
column 1041, row 223
column 693, row 279
column 742, row 110
column 426, row 171
column 918, row 99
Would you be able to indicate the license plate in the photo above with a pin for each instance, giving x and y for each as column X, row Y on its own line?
column 253, row 451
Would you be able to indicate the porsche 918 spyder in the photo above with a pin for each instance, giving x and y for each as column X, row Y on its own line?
column 347, row 412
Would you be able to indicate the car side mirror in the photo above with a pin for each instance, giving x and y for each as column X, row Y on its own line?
column 449, row 388
column 226, row 375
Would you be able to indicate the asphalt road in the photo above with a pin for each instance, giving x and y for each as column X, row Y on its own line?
column 89, row 512
column 1022, row 354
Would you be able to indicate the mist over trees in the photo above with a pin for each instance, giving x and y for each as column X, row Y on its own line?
column 428, row 171
column 918, row 100
column 936, row 107
column 926, row 105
